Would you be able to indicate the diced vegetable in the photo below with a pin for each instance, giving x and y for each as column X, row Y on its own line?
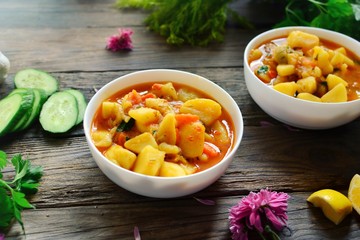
column 288, row 88
column 337, row 94
column 149, row 161
column 191, row 139
column 121, row 156
column 144, row 117
column 138, row 143
column 169, row 169
column 167, row 130
column 208, row 110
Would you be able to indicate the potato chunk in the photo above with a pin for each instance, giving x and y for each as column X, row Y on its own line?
column 288, row 88
column 138, row 143
column 162, row 105
column 149, row 161
column 308, row 97
column 307, row 85
column 112, row 111
column 169, row 169
column 167, row 130
column 208, row 110
column 103, row 138
column 337, row 94
column 166, row 91
column 191, row 139
column 144, row 117
column 121, row 156
column 169, row 149
column 305, row 41
column 285, row 69
column 220, row 133
column 333, row 80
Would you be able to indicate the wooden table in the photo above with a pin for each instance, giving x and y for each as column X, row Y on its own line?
column 67, row 38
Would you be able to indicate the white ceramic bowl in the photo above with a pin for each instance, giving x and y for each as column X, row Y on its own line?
column 293, row 111
column 162, row 187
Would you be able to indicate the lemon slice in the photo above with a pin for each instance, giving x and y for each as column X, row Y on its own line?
column 354, row 192
column 334, row 204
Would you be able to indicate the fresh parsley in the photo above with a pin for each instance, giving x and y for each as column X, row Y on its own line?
column 337, row 15
column 13, row 192
column 194, row 22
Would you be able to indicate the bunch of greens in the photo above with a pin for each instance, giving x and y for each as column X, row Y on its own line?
column 13, row 192
column 338, row 15
column 194, row 22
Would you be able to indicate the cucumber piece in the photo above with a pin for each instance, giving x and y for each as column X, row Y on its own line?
column 39, row 99
column 59, row 113
column 80, row 98
column 29, row 94
column 11, row 111
column 33, row 78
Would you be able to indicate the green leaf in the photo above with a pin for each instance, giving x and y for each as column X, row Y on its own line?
column 339, row 8
column 6, row 209
column 3, row 160
column 17, row 215
column 20, row 200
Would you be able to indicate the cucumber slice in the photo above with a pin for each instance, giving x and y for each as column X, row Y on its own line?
column 80, row 98
column 39, row 99
column 11, row 111
column 59, row 113
column 33, row 78
column 29, row 94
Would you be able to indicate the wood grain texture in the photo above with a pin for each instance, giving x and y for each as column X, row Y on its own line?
column 76, row 200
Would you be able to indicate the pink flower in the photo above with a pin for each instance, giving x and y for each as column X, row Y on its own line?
column 256, row 212
column 120, row 42
column 2, row 236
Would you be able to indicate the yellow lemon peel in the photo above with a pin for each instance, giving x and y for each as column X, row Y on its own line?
column 335, row 205
column 354, row 192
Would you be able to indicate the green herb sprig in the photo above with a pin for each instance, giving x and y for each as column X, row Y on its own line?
column 13, row 192
column 193, row 22
column 339, row 15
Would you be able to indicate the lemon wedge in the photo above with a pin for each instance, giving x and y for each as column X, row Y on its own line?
column 354, row 192
column 334, row 204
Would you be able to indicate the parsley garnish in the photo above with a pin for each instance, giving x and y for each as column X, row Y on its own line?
column 338, row 15
column 195, row 22
column 126, row 126
column 13, row 192
column 263, row 69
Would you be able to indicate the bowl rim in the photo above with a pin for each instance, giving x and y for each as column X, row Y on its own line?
column 228, row 157
column 277, row 32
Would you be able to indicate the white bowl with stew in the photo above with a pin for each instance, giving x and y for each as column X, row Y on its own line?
column 292, row 110
column 159, row 186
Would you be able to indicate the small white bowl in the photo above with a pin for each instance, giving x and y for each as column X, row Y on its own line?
column 296, row 112
column 163, row 187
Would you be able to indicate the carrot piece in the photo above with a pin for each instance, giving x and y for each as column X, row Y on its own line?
column 157, row 86
column 211, row 150
column 134, row 97
column 148, row 95
column 120, row 138
column 186, row 118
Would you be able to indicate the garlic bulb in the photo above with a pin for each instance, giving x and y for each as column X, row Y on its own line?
column 4, row 67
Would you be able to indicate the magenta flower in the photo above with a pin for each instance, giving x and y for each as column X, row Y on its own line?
column 122, row 41
column 260, row 212
column 2, row 236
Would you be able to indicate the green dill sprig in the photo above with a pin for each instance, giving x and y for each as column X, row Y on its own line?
column 338, row 15
column 193, row 22
column 13, row 192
